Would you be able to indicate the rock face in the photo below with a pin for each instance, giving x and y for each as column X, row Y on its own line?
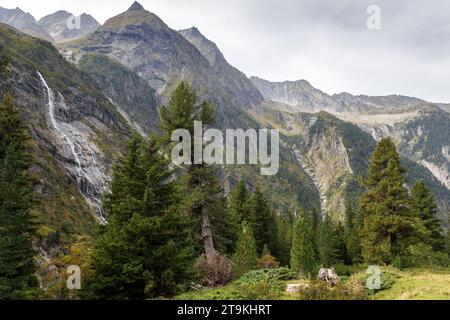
column 333, row 153
column 295, row 93
column 63, row 26
column 77, row 133
column 25, row 22
column 235, row 82
column 131, row 94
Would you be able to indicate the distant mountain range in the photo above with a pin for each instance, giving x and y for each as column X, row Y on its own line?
column 106, row 80
column 58, row 27
column 63, row 26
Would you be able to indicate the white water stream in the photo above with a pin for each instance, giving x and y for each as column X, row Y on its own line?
column 90, row 190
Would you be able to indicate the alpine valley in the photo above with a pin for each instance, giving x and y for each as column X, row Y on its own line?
column 83, row 92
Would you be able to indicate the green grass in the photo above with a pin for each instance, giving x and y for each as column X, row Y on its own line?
column 418, row 285
column 411, row 284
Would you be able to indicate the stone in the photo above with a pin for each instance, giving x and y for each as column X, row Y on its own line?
column 296, row 287
column 329, row 276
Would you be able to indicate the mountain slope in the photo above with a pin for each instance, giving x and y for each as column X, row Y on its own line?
column 332, row 152
column 57, row 25
column 76, row 133
column 131, row 94
column 25, row 22
column 142, row 42
column 336, row 153
column 145, row 45
column 419, row 128
column 302, row 96
column 234, row 81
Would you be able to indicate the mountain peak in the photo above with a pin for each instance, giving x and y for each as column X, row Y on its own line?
column 193, row 30
column 136, row 6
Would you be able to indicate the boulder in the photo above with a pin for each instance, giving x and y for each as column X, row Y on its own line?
column 295, row 287
column 329, row 276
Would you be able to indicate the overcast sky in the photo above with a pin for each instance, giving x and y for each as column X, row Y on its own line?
column 324, row 42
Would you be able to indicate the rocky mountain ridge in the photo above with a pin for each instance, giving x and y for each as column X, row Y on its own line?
column 23, row 21
column 64, row 26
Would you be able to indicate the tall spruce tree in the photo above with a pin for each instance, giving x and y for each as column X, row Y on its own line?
column 200, row 179
column 330, row 243
column 245, row 259
column 263, row 222
column 423, row 204
column 340, row 244
column 284, row 238
column 389, row 224
column 302, row 253
column 224, row 231
column 447, row 238
column 327, row 243
column 239, row 205
column 146, row 249
column 17, row 226
column 353, row 224
column 314, row 220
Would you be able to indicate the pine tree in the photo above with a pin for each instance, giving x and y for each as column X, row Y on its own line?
column 245, row 259
column 267, row 261
column 263, row 222
column 340, row 244
column 314, row 220
column 239, row 205
column 284, row 238
column 225, row 234
column 447, row 238
column 302, row 252
column 146, row 249
column 423, row 204
column 389, row 225
column 17, row 226
column 352, row 234
column 329, row 243
column 200, row 180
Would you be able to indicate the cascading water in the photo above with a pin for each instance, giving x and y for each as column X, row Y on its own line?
column 91, row 190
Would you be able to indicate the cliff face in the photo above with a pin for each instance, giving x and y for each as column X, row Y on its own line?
column 337, row 154
column 231, row 79
column 76, row 132
column 131, row 94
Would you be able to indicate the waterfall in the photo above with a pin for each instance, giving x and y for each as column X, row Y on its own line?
column 85, row 182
